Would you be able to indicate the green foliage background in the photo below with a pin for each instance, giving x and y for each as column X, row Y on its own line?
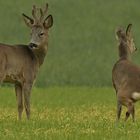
column 82, row 45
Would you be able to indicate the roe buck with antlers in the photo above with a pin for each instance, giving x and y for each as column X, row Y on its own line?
column 126, row 75
column 20, row 63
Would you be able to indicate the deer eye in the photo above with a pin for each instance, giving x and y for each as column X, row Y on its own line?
column 41, row 34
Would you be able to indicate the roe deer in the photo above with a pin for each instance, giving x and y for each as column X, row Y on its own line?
column 20, row 63
column 126, row 75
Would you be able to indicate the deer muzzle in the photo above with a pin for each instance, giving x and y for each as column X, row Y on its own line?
column 32, row 45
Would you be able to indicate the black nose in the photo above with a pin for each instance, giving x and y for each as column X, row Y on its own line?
column 32, row 45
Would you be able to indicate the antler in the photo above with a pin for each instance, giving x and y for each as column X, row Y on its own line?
column 34, row 12
column 43, row 13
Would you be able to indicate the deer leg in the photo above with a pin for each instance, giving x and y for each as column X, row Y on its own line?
column 130, row 111
column 119, row 109
column 27, row 92
column 133, row 112
column 2, row 76
column 127, row 115
column 18, row 90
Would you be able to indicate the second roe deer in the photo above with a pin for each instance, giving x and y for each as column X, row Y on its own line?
column 126, row 75
column 19, row 64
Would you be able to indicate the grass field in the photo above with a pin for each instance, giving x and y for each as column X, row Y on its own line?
column 69, row 113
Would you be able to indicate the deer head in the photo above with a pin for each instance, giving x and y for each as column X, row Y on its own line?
column 125, row 37
column 39, row 24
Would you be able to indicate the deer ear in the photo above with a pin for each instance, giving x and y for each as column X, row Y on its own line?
column 120, row 34
column 28, row 21
column 128, row 29
column 48, row 22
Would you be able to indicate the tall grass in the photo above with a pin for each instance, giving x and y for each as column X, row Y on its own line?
column 82, row 45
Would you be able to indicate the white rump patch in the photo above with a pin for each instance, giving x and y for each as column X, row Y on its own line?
column 136, row 95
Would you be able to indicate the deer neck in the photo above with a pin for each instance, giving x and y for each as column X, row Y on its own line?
column 40, row 54
column 124, row 52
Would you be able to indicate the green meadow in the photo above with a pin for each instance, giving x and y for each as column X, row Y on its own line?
column 73, row 98
column 69, row 113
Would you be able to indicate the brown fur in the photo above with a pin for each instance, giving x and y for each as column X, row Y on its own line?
column 126, row 75
column 20, row 63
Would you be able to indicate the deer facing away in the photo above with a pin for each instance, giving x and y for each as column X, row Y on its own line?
column 19, row 64
column 126, row 75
